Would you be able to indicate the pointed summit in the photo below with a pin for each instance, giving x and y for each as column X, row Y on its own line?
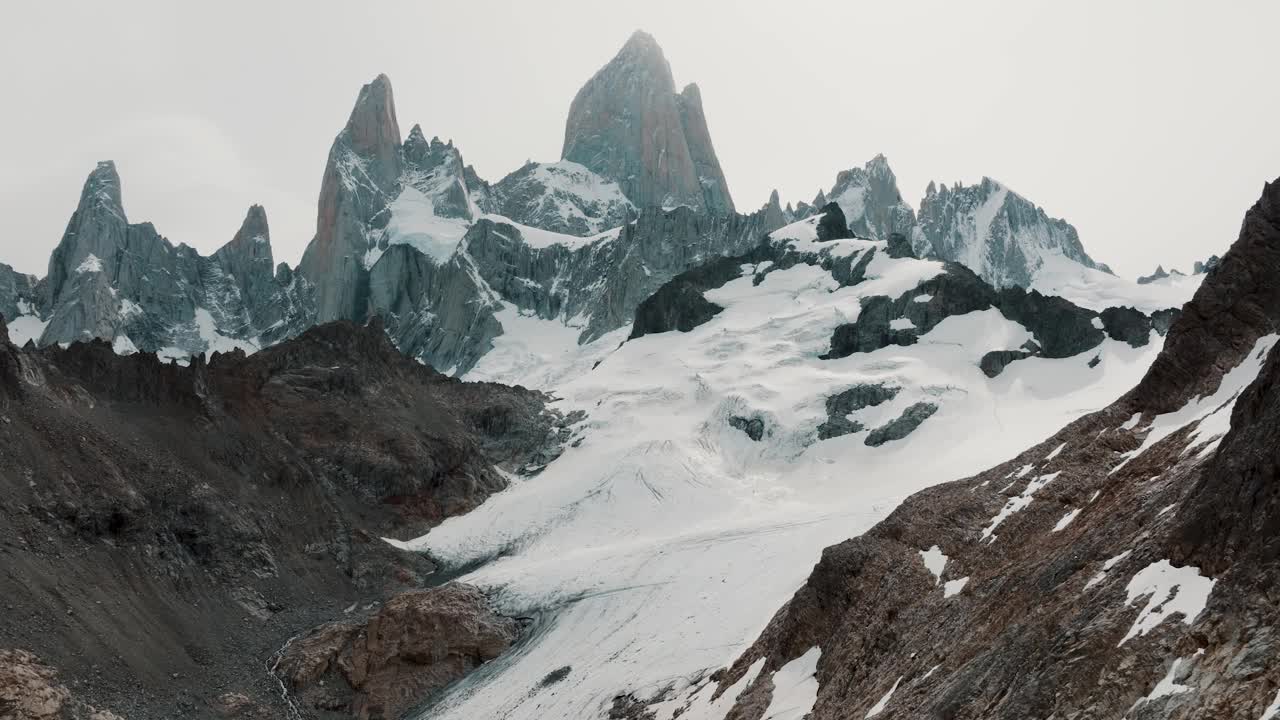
column 360, row 180
column 628, row 125
column 96, row 232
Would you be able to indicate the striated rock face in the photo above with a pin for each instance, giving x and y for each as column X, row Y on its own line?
column 1122, row 568
column 416, row 643
column 562, row 197
column 629, row 125
column 209, row 512
column 997, row 233
column 870, row 200
column 125, row 283
column 361, row 179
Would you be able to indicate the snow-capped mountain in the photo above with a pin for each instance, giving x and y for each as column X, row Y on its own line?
column 735, row 429
column 562, row 197
column 870, row 200
column 125, row 283
column 1122, row 567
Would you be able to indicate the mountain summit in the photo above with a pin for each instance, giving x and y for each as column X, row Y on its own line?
column 629, row 125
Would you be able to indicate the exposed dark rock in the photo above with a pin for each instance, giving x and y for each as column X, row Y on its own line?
column 832, row 226
column 1061, row 329
column 840, row 405
column 210, row 512
column 903, row 425
column 994, row 362
column 753, row 427
column 415, row 644
column 1201, row 268
column 899, row 246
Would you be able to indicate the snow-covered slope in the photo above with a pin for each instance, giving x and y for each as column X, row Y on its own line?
column 562, row 197
column 659, row 544
column 1097, row 290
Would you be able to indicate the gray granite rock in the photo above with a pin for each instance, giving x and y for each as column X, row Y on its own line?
column 628, row 124
column 562, row 197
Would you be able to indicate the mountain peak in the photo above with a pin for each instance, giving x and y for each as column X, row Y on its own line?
column 373, row 126
column 628, row 124
column 102, row 188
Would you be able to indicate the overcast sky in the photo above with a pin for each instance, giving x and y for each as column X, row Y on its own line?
column 1148, row 125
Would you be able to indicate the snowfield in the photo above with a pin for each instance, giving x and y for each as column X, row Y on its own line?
column 659, row 545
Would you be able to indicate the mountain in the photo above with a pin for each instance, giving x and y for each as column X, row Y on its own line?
column 629, row 125
column 760, row 406
column 1122, row 567
column 562, row 197
column 170, row 528
column 999, row 234
column 870, row 200
column 125, row 283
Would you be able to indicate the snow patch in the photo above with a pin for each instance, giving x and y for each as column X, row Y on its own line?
column 953, row 587
column 1056, row 452
column 1172, row 590
column 795, row 688
column 934, row 561
column 1017, row 504
column 1066, row 520
column 414, row 222
column 90, row 264
column 883, row 702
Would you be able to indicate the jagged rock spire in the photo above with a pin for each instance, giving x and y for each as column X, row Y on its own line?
column 629, row 125
column 97, row 228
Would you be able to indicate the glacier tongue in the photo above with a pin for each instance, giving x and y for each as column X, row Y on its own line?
column 656, row 548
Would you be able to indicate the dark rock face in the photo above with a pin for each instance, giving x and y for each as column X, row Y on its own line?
column 17, row 292
column 1049, row 544
column 210, row 512
column 994, row 362
column 840, row 405
column 1060, row 328
column 899, row 246
column 380, row 667
column 680, row 305
column 903, row 425
column 1201, row 268
column 629, row 125
column 832, row 226
column 753, row 427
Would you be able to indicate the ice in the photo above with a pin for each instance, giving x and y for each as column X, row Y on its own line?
column 1273, row 710
column 883, row 703
column 953, row 587
column 414, row 222
column 795, row 688
column 935, row 561
column 1172, row 590
column 90, row 264
column 1056, row 452
column 26, row 327
column 1132, row 422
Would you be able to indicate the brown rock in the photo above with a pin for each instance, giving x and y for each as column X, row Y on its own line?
column 419, row 642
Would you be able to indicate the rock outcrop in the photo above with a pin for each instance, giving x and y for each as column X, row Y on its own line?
column 205, row 514
column 629, row 125
column 562, row 197
column 418, row 642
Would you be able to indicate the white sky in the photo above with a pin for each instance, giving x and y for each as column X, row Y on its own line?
column 1151, row 126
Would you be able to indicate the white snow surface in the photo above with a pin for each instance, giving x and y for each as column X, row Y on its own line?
column 1273, row 710
column 90, row 264
column 1170, row 590
column 1168, row 684
column 935, row 561
column 414, row 222
column 26, row 327
column 1066, row 520
column 953, row 587
column 657, row 549
column 1097, row 290
column 538, row 238
column 795, row 688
